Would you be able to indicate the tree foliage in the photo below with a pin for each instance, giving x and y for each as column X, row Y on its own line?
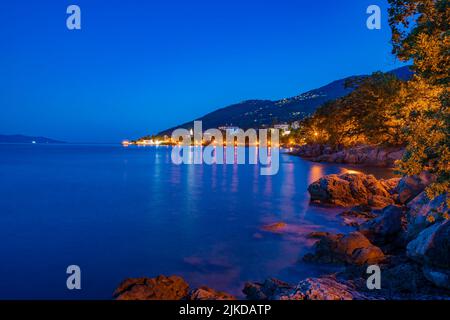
column 385, row 110
column 370, row 115
column 420, row 32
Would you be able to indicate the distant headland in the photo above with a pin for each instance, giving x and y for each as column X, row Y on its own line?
column 18, row 138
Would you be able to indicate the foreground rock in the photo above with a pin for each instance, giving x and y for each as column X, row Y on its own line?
column 423, row 212
column 404, row 277
column 364, row 154
column 357, row 215
column 432, row 246
column 350, row 190
column 384, row 228
column 439, row 277
column 165, row 288
column 325, row 288
column 353, row 248
column 270, row 289
column 159, row 288
column 431, row 249
column 205, row 293
column 410, row 186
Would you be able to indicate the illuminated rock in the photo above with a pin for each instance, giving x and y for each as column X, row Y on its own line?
column 349, row 190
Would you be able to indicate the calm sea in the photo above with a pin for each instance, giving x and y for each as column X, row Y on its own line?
column 129, row 212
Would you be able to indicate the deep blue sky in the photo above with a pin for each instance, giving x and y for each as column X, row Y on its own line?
column 138, row 67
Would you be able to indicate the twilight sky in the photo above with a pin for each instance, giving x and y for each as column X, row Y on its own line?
column 138, row 67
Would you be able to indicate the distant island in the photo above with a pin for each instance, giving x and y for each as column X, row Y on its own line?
column 18, row 138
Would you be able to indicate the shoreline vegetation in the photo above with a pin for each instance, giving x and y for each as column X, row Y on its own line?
column 401, row 225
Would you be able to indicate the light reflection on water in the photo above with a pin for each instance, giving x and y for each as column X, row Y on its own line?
column 121, row 213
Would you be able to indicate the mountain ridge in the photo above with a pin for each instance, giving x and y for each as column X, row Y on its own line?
column 19, row 138
column 261, row 113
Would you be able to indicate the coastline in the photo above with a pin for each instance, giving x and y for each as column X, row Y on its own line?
column 380, row 237
column 367, row 155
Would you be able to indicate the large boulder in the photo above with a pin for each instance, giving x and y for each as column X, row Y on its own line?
column 353, row 248
column 349, row 190
column 423, row 212
column 159, row 288
column 432, row 246
column 324, row 288
column 385, row 227
column 410, row 186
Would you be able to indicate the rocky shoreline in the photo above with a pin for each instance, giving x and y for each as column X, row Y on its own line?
column 377, row 156
column 165, row 288
column 396, row 227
